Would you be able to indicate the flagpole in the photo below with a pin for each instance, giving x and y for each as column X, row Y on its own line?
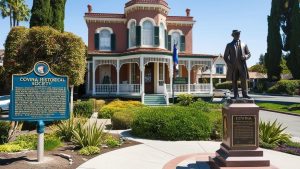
column 174, row 75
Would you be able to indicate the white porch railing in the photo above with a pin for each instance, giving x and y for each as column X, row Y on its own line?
column 130, row 88
column 166, row 94
column 112, row 88
column 106, row 88
column 194, row 88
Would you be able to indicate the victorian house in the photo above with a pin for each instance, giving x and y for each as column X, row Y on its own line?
column 130, row 54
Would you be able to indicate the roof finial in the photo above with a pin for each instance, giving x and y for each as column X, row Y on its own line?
column 90, row 8
column 188, row 12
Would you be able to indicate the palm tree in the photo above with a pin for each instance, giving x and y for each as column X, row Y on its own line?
column 16, row 10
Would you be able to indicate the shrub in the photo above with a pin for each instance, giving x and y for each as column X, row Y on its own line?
column 65, row 128
column 285, row 87
column 29, row 141
column 89, row 150
column 273, row 134
column 294, row 107
column 205, row 106
column 89, row 135
column 112, row 142
column 171, row 123
column 123, row 119
column 84, row 108
column 4, row 129
column 108, row 110
column 185, row 99
column 225, row 85
column 10, row 148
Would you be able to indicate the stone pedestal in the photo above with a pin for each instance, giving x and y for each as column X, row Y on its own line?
column 240, row 145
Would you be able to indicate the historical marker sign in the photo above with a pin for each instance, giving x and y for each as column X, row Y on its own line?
column 39, row 95
column 243, row 130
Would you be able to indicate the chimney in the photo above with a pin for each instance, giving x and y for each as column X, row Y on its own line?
column 89, row 8
column 188, row 12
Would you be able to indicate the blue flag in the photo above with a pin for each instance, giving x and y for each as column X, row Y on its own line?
column 175, row 55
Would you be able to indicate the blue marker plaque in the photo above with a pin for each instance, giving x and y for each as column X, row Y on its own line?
column 39, row 95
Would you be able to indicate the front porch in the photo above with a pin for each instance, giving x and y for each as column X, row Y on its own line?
column 138, row 75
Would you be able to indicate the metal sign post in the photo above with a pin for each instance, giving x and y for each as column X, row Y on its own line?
column 40, row 146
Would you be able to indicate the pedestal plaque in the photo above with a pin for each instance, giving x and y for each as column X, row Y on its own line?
column 240, row 145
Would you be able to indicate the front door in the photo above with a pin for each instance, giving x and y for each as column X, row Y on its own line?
column 149, row 78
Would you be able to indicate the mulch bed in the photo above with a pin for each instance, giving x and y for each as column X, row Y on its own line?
column 27, row 159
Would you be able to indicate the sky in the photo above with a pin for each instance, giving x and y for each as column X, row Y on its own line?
column 215, row 20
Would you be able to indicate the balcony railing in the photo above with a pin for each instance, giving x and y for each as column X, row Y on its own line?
column 194, row 88
column 113, row 88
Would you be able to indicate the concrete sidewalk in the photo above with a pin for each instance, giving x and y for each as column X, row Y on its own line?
column 153, row 154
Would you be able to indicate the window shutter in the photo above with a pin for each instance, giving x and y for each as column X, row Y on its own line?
column 96, row 41
column 156, row 35
column 127, row 38
column 169, row 42
column 182, row 43
column 138, row 35
column 166, row 39
column 113, row 42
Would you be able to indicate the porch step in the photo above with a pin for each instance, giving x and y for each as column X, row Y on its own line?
column 155, row 100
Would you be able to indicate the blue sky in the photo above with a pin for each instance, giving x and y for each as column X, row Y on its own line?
column 215, row 19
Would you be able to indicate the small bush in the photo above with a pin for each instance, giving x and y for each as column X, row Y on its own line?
column 4, row 129
column 266, row 145
column 273, row 133
column 90, row 150
column 112, row 142
column 122, row 120
column 171, row 123
column 84, row 108
column 185, row 99
column 10, row 148
column 108, row 110
column 294, row 107
column 97, row 104
column 90, row 135
column 29, row 141
column 285, row 87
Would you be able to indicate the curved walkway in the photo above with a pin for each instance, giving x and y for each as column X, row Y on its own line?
column 153, row 154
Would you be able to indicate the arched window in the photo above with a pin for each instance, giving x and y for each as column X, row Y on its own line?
column 175, row 39
column 148, row 33
column 105, row 40
column 132, row 35
column 162, row 35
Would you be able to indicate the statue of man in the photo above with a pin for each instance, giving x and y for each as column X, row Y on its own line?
column 235, row 56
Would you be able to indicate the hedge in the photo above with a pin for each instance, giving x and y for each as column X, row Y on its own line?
column 171, row 123
column 285, row 87
column 226, row 85
column 83, row 108
column 122, row 120
column 108, row 110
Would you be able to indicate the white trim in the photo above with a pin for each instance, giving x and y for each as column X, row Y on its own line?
column 108, row 20
column 129, row 23
column 98, row 30
column 147, row 19
column 182, row 22
column 175, row 30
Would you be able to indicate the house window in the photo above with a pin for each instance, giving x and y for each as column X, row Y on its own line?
column 175, row 39
column 162, row 35
column 148, row 33
column 132, row 35
column 219, row 69
column 105, row 40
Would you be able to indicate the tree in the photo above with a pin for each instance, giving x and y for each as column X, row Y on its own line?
column 258, row 68
column 40, row 13
column 293, row 59
column 273, row 55
column 64, row 52
column 16, row 10
column 48, row 13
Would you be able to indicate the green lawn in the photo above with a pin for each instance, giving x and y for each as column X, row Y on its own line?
column 279, row 107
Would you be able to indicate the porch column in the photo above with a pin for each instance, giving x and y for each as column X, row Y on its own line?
column 189, row 77
column 94, row 77
column 211, row 79
column 118, row 77
column 142, row 69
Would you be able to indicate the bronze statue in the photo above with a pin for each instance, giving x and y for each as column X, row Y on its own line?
column 235, row 56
